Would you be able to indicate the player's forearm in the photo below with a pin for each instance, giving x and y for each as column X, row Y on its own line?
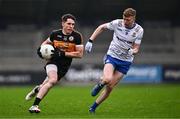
column 97, row 32
column 135, row 49
column 47, row 41
column 76, row 54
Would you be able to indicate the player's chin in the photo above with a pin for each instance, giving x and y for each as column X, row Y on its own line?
column 69, row 31
column 127, row 25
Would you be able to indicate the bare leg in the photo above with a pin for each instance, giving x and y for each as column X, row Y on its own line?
column 35, row 90
column 107, row 77
column 44, row 82
column 106, row 92
column 47, row 84
column 112, row 82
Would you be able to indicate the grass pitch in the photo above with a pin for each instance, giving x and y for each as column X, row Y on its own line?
column 126, row 101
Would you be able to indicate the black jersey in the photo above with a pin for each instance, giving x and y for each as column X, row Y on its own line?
column 57, row 35
column 74, row 37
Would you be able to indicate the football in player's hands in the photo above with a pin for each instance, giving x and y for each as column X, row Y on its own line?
column 45, row 51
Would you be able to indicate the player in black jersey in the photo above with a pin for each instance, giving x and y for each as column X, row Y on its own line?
column 68, row 44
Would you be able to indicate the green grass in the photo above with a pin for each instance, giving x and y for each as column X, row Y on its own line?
column 126, row 101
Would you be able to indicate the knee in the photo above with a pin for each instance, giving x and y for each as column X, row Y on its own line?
column 107, row 79
column 52, row 81
column 111, row 85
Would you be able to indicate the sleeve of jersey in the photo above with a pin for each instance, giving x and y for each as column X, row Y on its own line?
column 51, row 37
column 79, row 39
column 112, row 25
column 139, row 38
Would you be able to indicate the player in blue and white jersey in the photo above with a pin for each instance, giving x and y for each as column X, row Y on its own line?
column 124, row 45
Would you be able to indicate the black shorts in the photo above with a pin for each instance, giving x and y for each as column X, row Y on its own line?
column 62, row 69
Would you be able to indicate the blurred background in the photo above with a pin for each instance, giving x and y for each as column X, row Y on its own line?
column 24, row 24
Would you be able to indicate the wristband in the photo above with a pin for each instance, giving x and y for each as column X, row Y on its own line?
column 90, row 40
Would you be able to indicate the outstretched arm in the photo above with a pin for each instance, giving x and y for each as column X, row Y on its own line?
column 98, row 30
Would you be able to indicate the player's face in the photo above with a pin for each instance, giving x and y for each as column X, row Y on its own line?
column 129, row 21
column 68, row 26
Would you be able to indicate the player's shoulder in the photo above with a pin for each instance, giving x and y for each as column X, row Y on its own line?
column 78, row 36
column 57, row 31
column 77, row 33
column 138, row 28
column 118, row 22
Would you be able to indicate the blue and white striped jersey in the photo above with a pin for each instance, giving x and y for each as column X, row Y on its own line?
column 123, row 39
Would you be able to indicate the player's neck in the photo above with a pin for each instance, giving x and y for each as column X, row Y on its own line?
column 131, row 26
column 65, row 33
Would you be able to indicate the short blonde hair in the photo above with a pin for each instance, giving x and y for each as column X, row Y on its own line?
column 129, row 12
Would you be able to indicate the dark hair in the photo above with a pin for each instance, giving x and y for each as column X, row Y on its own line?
column 67, row 16
column 129, row 12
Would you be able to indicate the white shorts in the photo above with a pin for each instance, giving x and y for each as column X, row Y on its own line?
column 51, row 67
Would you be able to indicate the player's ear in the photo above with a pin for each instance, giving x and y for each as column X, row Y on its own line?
column 134, row 18
column 62, row 23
